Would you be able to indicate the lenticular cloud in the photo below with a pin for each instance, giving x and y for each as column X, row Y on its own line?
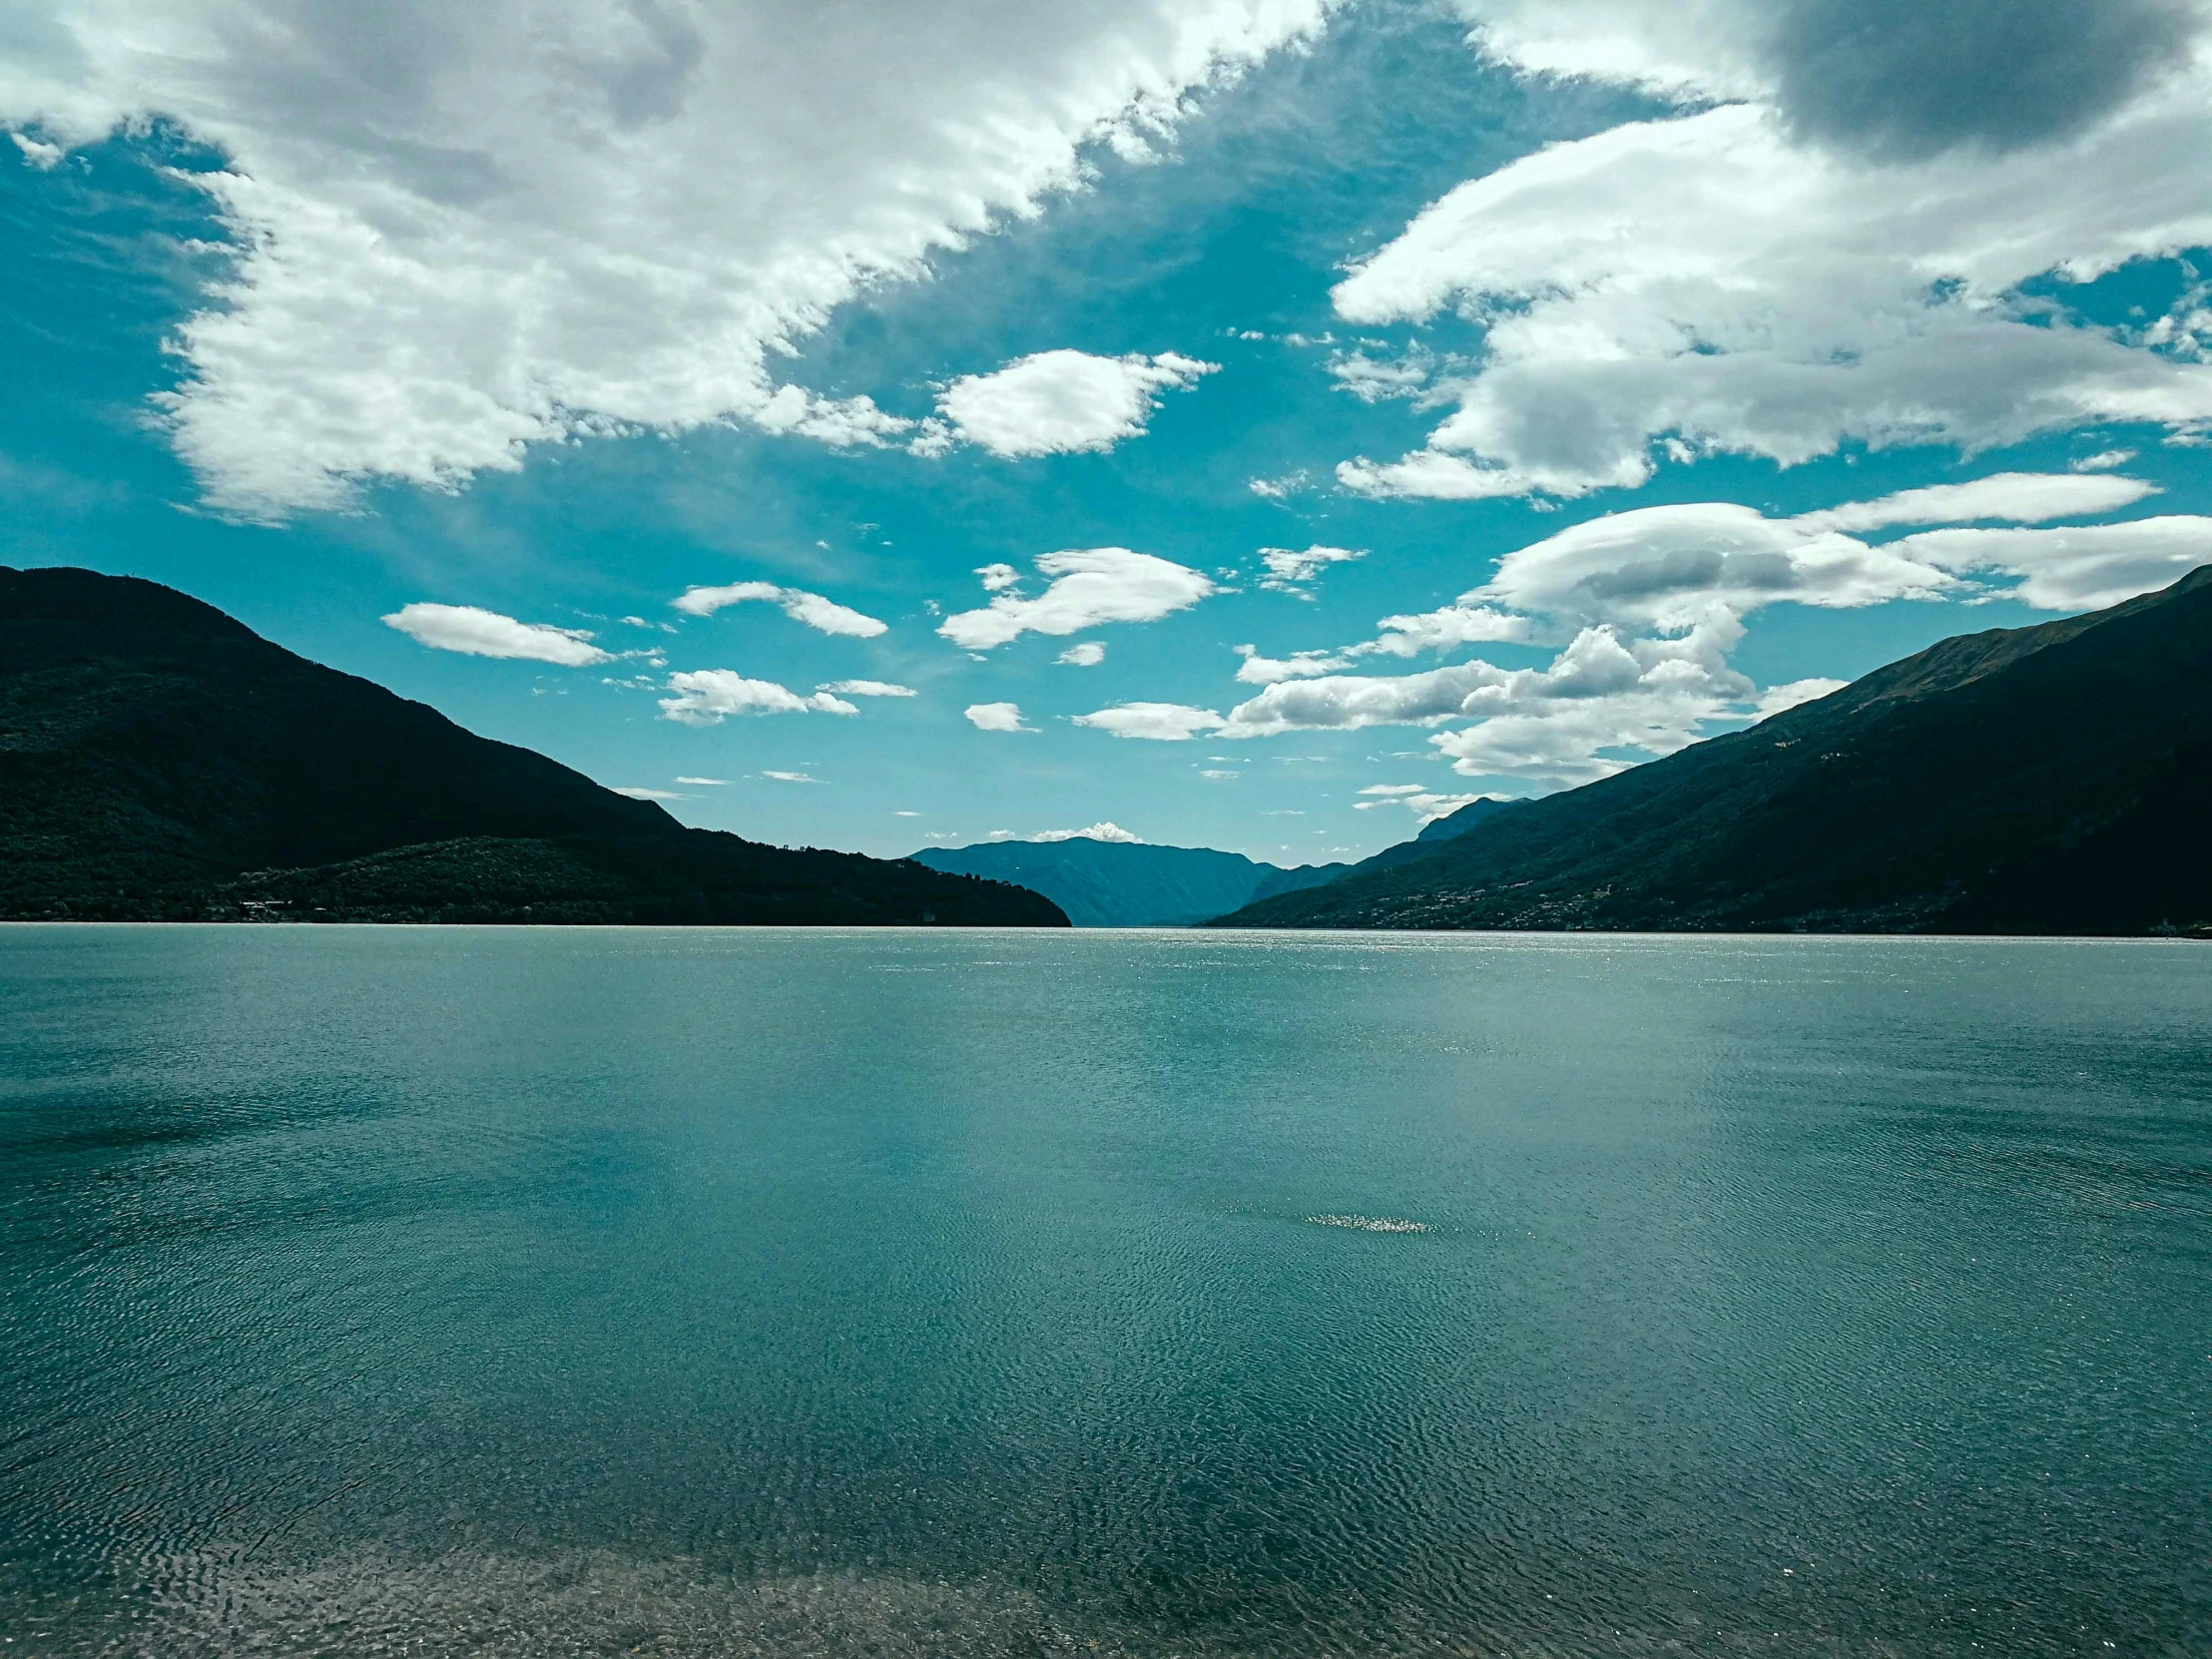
column 469, row 229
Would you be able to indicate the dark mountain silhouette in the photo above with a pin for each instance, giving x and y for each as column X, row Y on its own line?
column 161, row 761
column 2046, row 779
column 1126, row 884
column 1473, row 816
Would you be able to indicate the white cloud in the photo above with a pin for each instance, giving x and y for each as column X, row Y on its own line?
column 1257, row 670
column 44, row 157
column 996, row 716
column 652, row 794
column 2103, row 460
column 1060, row 402
column 2018, row 497
column 471, row 228
column 1089, row 587
column 713, row 782
column 1159, row 721
column 1425, row 804
column 1096, row 832
column 1775, row 699
column 824, row 615
column 1089, row 654
column 792, row 776
column 1374, row 379
column 1288, row 571
column 1651, row 602
column 1551, row 723
column 707, row 697
column 1667, row 567
column 1708, row 279
column 1441, row 630
column 2074, row 569
column 478, row 633
column 1901, row 80
column 867, row 687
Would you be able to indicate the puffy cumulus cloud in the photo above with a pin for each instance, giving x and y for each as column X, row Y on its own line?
column 2078, row 568
column 465, row 229
column 1718, row 282
column 1442, row 629
column 1102, row 831
column 1656, row 598
column 1089, row 587
column 1159, row 721
column 709, row 696
column 816, row 611
column 476, row 633
column 1089, row 654
column 1059, row 402
column 1289, row 571
column 1553, row 725
column 1651, row 603
column 866, row 688
column 995, row 716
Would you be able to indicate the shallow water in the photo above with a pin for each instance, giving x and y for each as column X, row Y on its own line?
column 599, row 1292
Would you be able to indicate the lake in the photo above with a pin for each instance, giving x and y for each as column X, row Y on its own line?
column 777, row 1293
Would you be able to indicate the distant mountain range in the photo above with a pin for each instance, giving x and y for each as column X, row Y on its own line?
column 160, row 761
column 2046, row 779
column 1102, row 884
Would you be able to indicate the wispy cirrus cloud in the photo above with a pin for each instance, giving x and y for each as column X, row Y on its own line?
column 1292, row 571
column 823, row 615
column 866, row 688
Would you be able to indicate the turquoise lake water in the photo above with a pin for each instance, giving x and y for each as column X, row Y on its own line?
column 696, row 1293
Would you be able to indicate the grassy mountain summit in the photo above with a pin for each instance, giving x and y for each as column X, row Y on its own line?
column 160, row 761
column 2045, row 779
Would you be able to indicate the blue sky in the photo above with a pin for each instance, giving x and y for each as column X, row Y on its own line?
column 1546, row 326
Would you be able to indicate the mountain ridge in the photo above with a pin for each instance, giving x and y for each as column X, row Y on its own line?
column 1102, row 884
column 158, row 758
column 2050, row 779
